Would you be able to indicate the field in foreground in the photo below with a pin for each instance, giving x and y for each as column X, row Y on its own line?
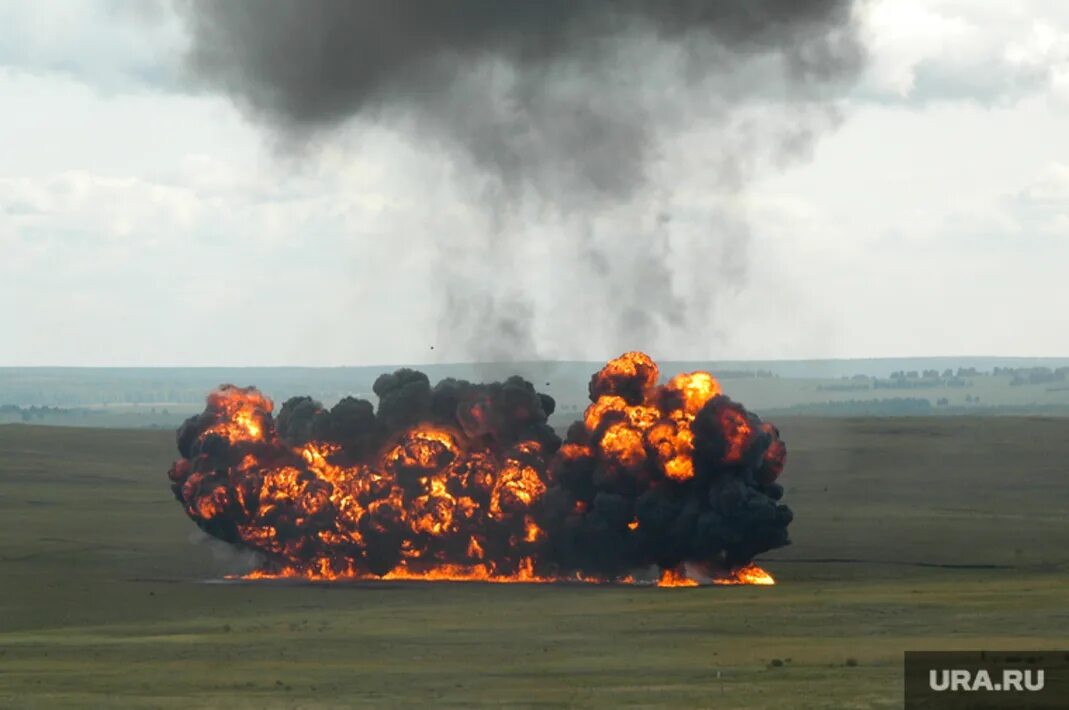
column 910, row 534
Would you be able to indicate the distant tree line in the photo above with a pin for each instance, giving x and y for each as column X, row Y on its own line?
column 923, row 379
column 904, row 380
column 913, row 380
column 891, row 406
column 848, row 386
column 1032, row 375
column 28, row 414
column 743, row 374
column 969, row 399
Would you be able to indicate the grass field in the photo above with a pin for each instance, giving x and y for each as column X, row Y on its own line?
column 933, row 533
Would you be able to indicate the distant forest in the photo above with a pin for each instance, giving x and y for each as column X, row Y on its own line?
column 163, row 397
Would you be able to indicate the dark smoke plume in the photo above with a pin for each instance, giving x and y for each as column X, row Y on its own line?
column 570, row 83
column 464, row 480
column 563, row 112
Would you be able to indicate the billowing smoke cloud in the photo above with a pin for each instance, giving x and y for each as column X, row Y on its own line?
column 577, row 115
column 467, row 481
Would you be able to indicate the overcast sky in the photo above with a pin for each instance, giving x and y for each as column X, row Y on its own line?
column 144, row 222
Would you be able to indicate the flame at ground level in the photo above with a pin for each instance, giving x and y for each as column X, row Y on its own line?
column 750, row 574
column 675, row 578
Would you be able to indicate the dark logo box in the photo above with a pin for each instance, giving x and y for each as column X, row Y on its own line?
column 986, row 679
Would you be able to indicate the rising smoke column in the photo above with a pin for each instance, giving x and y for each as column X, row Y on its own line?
column 467, row 481
column 559, row 112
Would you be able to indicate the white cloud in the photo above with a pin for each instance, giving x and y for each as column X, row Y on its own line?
column 925, row 51
column 113, row 45
column 161, row 229
column 1043, row 205
column 902, row 34
column 1052, row 187
column 144, row 226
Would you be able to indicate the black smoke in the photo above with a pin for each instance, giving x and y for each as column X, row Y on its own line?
column 556, row 112
column 573, row 70
column 600, row 517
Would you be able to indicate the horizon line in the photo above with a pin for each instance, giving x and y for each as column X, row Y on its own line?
column 504, row 363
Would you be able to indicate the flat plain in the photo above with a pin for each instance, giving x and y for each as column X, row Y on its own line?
column 909, row 534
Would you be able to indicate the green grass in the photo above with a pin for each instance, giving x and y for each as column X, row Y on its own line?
column 103, row 599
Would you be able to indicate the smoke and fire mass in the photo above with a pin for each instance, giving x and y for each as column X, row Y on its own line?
column 463, row 481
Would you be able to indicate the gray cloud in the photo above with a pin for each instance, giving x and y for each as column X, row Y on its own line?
column 558, row 111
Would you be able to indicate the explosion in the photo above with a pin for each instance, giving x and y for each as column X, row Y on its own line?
column 464, row 481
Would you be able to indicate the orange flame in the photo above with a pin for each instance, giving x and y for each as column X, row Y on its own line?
column 658, row 419
column 675, row 578
column 748, row 574
column 434, row 486
column 245, row 411
column 696, row 389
